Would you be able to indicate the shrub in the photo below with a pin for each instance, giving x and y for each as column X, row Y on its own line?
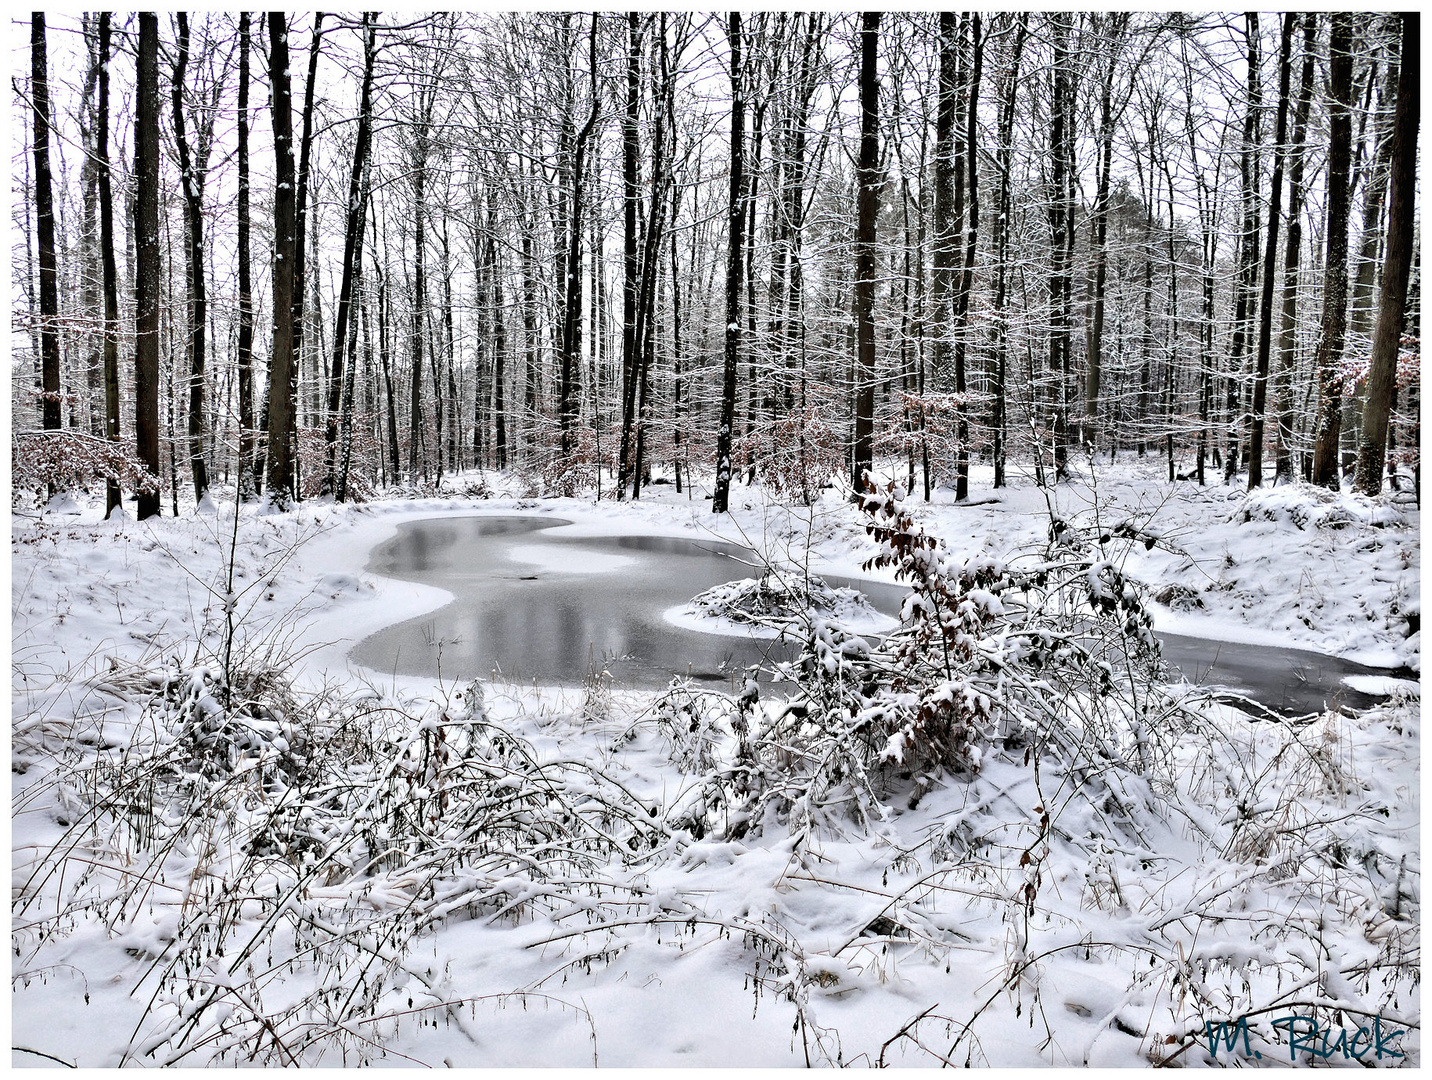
column 67, row 458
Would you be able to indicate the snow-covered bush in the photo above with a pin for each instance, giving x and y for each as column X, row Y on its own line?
column 1050, row 656
column 776, row 598
column 67, row 458
column 328, row 839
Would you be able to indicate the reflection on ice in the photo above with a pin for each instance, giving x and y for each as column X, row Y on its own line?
column 533, row 604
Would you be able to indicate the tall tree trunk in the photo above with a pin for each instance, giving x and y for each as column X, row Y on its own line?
column 417, row 462
column 1292, row 254
column 192, row 184
column 1061, row 223
column 1004, row 158
column 353, row 232
column 866, row 207
column 795, row 322
column 454, row 428
column 531, row 346
column 631, row 208
column 1270, row 259
column 499, row 344
column 280, row 478
column 1247, row 250
column 1171, row 350
column 300, row 250
column 1333, row 331
column 446, row 367
column 107, row 261
column 962, row 290
column 945, row 246
column 148, row 283
column 748, row 275
column 569, row 358
column 246, row 296
column 1397, row 263
column 91, row 302
column 662, row 103
column 676, row 400
column 386, row 362
column 735, row 265
column 45, row 228
column 1208, row 265
column 346, row 404
column 1095, row 366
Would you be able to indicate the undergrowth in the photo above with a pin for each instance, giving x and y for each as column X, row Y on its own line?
column 272, row 856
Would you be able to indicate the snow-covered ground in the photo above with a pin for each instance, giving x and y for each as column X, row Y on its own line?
column 1011, row 916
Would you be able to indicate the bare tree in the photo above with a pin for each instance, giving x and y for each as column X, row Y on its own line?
column 1004, row 157
column 867, row 205
column 1333, row 330
column 1111, row 43
column 280, row 456
column 148, row 283
column 107, row 261
column 569, row 357
column 193, row 167
column 1270, row 258
column 353, row 232
column 246, row 483
column 1397, row 263
column 1247, row 249
column 45, row 227
column 736, row 213
column 1292, row 254
column 1061, row 235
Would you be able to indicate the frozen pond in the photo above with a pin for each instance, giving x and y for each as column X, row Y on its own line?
column 531, row 603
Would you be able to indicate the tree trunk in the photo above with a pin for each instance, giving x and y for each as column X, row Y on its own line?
column 499, row 347
column 345, row 404
column 1061, row 232
column 1292, row 254
column 300, row 249
column 147, row 280
column 631, row 204
column 91, row 302
column 1270, row 259
column 417, row 465
column 1004, row 157
column 45, row 228
column 1397, row 263
column 386, row 361
column 192, row 184
column 868, row 176
column 107, row 261
column 353, row 232
column 651, row 254
column 1095, row 367
column 1247, row 251
column 945, row 244
column 531, row 347
column 1208, row 265
column 962, row 290
column 1333, row 330
column 246, row 485
column 735, row 265
column 569, row 357
column 280, row 480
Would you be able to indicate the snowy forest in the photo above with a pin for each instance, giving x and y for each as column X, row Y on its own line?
column 698, row 539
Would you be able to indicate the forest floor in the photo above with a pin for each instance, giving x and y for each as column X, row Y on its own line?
column 169, row 914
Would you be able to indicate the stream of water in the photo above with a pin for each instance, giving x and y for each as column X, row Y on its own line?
column 530, row 604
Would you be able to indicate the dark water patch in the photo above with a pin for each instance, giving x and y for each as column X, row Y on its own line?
column 577, row 608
